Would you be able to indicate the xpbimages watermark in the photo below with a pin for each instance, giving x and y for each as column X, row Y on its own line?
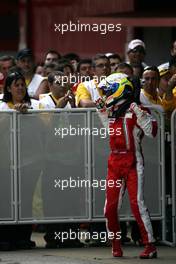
column 72, row 79
column 102, row 28
column 72, row 235
column 86, row 131
column 72, row 183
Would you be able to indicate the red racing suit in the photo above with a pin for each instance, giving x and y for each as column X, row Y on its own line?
column 126, row 163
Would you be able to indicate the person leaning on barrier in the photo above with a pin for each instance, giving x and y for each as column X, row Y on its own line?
column 157, row 91
column 15, row 94
column 167, row 80
column 149, row 93
column 60, row 95
column 16, row 97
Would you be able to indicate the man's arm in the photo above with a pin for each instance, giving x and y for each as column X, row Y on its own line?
column 83, row 97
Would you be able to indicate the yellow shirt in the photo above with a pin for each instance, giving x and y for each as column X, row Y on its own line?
column 88, row 90
column 168, row 105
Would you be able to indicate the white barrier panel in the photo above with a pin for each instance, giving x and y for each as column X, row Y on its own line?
column 173, row 159
column 7, row 173
column 57, row 164
column 52, row 162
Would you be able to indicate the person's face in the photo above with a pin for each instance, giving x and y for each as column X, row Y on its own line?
column 47, row 71
column 163, row 84
column 60, row 86
column 173, row 51
column 51, row 57
column 40, row 70
column 102, row 67
column 113, row 64
column 151, row 81
column 173, row 70
column 18, row 90
column 85, row 69
column 5, row 66
column 26, row 64
column 67, row 71
column 136, row 55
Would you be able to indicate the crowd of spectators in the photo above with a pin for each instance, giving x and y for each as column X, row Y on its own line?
column 68, row 81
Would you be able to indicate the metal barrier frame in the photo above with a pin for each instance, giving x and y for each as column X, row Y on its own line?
column 88, row 172
column 173, row 162
column 13, row 168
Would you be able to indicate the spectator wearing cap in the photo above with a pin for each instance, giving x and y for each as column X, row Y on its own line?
column 136, row 52
column 167, row 79
column 36, row 84
column 165, row 75
column 149, row 94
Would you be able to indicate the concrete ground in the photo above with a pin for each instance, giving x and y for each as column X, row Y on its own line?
column 91, row 255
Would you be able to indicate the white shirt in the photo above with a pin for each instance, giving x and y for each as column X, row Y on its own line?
column 5, row 106
column 47, row 102
column 34, row 84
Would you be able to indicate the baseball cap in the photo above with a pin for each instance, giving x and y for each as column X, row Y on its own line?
column 163, row 68
column 24, row 53
column 134, row 44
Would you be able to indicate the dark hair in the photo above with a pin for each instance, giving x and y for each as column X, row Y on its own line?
column 97, row 57
column 62, row 63
column 51, row 76
column 52, row 51
column 115, row 56
column 14, row 76
column 152, row 68
column 72, row 56
column 123, row 65
column 24, row 53
column 7, row 58
column 83, row 61
column 15, row 69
